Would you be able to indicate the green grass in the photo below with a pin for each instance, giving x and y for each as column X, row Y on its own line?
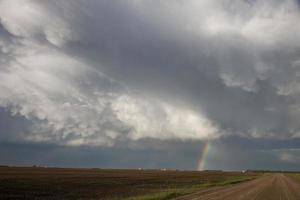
column 159, row 196
column 172, row 193
column 296, row 175
column 230, row 181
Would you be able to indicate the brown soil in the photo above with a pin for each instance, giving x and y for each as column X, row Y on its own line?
column 58, row 183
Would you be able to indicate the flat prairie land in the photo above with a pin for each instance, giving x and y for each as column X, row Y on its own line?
column 65, row 183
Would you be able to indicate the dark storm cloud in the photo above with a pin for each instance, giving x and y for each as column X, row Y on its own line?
column 237, row 153
column 229, row 154
column 145, row 154
column 12, row 127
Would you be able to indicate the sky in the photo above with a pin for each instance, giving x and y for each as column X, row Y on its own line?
column 179, row 84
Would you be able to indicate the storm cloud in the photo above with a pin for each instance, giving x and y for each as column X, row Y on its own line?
column 101, row 73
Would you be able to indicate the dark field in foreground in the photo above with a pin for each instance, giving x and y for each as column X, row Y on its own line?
column 60, row 183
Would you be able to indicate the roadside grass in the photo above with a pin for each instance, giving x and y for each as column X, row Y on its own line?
column 295, row 175
column 161, row 195
column 176, row 192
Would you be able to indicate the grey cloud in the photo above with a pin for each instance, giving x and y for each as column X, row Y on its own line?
column 99, row 72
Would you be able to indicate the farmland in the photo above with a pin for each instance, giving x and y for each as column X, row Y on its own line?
column 62, row 183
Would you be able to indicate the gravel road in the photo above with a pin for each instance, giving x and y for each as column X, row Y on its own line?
column 273, row 187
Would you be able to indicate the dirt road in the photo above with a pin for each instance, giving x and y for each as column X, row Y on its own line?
column 273, row 187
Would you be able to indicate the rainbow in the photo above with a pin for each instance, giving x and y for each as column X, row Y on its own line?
column 203, row 156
